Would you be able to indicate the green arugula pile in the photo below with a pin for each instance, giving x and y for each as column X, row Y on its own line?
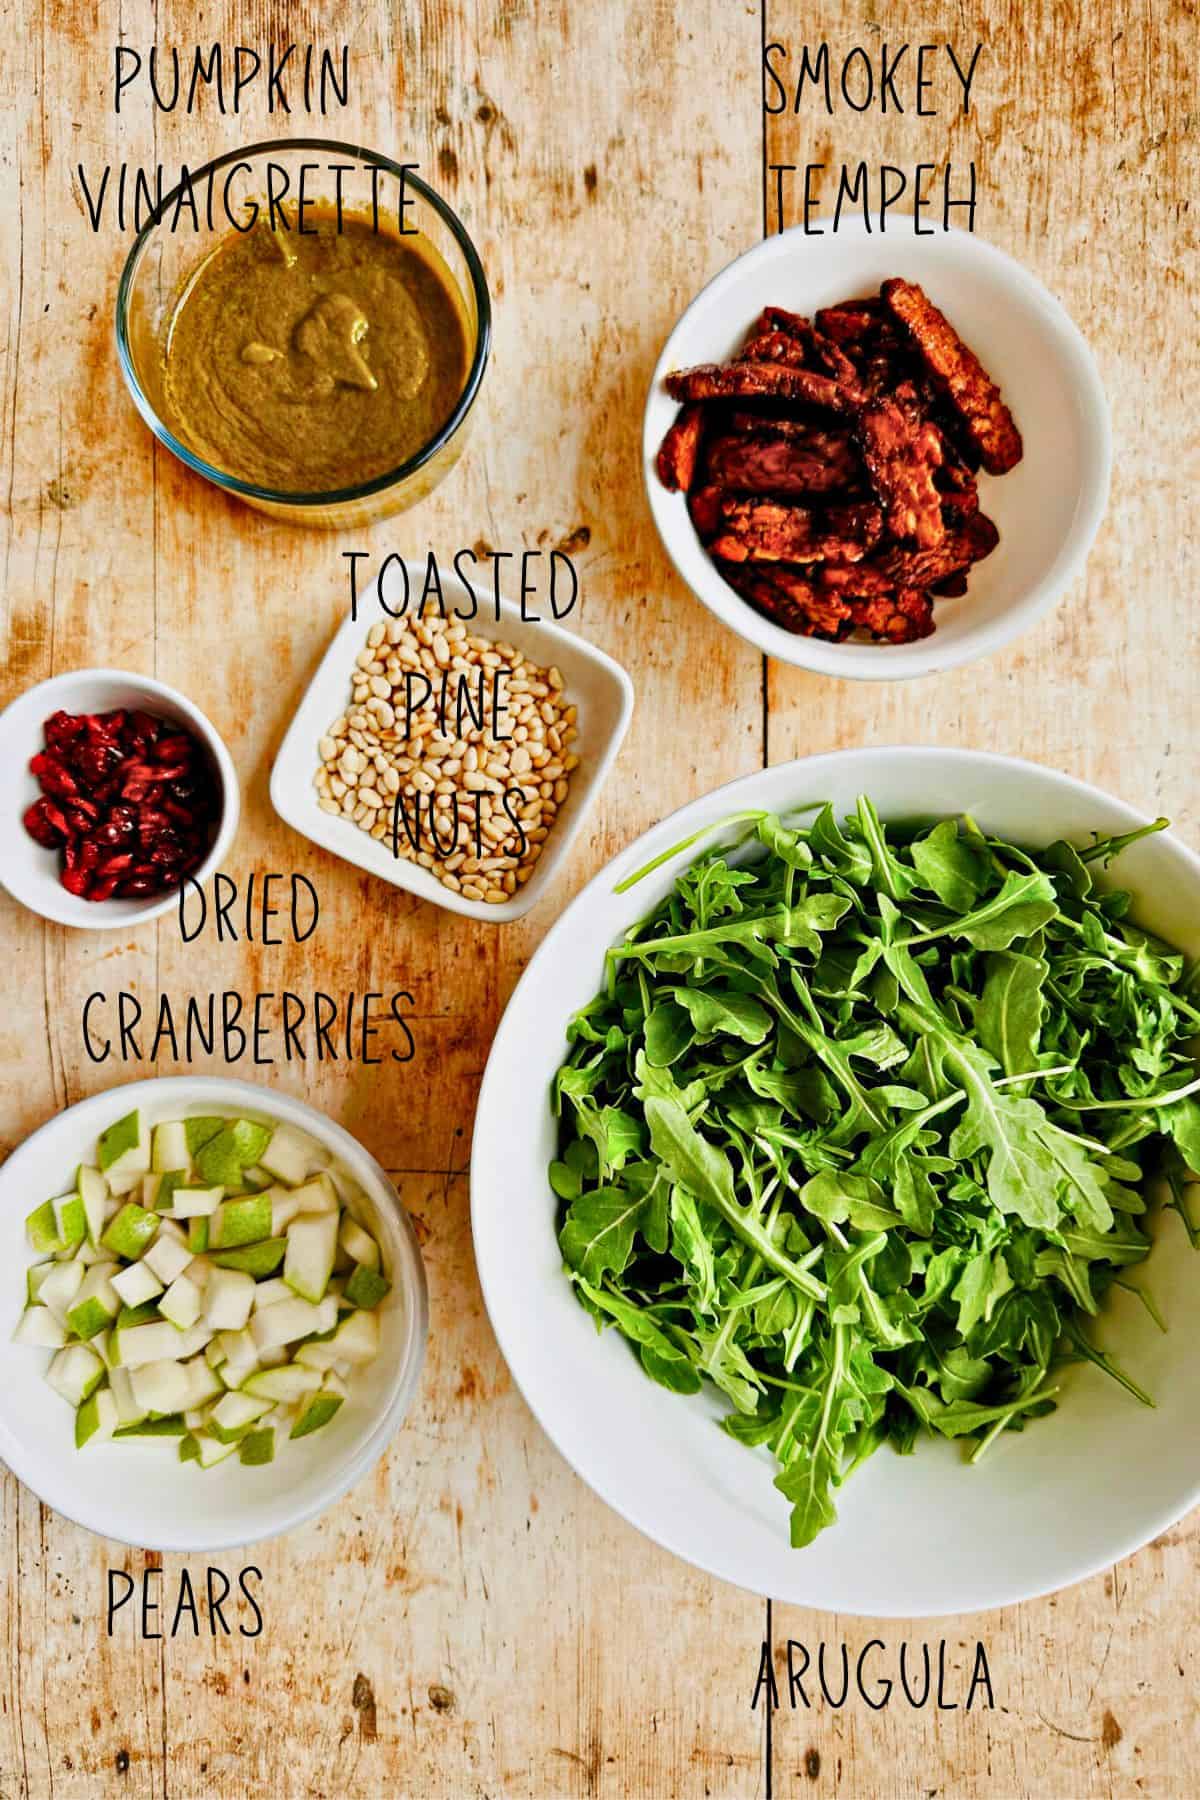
column 860, row 1130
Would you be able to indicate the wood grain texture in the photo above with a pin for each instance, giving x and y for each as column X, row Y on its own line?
column 470, row 1620
column 1087, row 157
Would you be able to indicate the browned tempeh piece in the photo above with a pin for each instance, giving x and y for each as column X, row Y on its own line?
column 779, row 327
column 851, row 320
column 901, row 451
column 960, row 375
column 751, row 380
column 901, row 618
column 704, row 504
column 969, row 544
column 811, row 461
column 861, row 581
column 680, row 449
column 777, row 347
column 790, row 600
column 765, row 531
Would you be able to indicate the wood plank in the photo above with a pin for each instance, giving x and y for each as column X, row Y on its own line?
column 1085, row 160
column 470, row 1619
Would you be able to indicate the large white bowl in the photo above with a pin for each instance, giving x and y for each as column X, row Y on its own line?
column 917, row 1535
column 1048, row 509
column 138, row 1491
column 30, row 872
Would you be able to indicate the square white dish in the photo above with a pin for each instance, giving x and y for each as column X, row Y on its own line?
column 595, row 684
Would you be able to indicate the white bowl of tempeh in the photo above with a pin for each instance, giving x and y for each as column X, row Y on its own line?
column 877, row 458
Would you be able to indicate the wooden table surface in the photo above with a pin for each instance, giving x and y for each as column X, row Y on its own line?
column 470, row 1620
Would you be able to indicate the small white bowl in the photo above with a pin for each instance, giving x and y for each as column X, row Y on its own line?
column 595, row 684
column 1048, row 1506
column 1048, row 509
column 137, row 1491
column 29, row 872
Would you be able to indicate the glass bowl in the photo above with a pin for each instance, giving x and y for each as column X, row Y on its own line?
column 162, row 259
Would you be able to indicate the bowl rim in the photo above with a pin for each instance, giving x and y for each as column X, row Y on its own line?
column 285, row 1108
column 249, row 490
column 559, row 844
column 679, row 825
column 153, row 908
column 928, row 656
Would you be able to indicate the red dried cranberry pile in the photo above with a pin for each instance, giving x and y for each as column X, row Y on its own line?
column 128, row 798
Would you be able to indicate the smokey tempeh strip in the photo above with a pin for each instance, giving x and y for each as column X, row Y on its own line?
column 960, row 375
column 751, row 380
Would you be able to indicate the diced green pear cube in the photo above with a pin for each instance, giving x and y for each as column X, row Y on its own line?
column 210, row 1450
column 316, row 1196
column 257, row 1447
column 182, row 1302
column 259, row 1259
column 96, row 1418
column 161, row 1386
column 193, row 1340
column 41, row 1229
column 366, row 1287
column 268, row 1293
column 316, row 1355
column 288, row 1320
column 144, row 1313
column 233, row 1415
column 140, row 1345
column 136, row 1284
column 170, row 1148
column 204, row 1384
column 35, row 1274
column 70, row 1219
column 170, row 1252
column 244, row 1221
column 131, row 1233
column 121, row 1384
column 237, row 1145
column 286, row 1385
column 356, row 1339
column 311, row 1247
column 96, row 1304
column 291, row 1156
column 59, row 1287
column 92, row 1189
column 317, row 1410
column 189, row 1448
column 125, row 1148
column 228, row 1298
column 358, row 1244
column 199, row 1233
column 195, row 1202
column 283, row 1208
column 197, row 1132
column 75, row 1372
column 159, row 1190
column 39, row 1328
column 163, row 1425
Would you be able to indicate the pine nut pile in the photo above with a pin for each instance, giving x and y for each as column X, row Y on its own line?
column 369, row 761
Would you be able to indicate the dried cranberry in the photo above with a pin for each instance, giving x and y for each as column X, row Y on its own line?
column 45, row 824
column 136, row 795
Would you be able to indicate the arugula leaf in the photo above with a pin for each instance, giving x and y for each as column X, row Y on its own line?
column 860, row 1130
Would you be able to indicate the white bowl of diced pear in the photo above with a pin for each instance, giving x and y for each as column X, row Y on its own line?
column 222, row 1280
